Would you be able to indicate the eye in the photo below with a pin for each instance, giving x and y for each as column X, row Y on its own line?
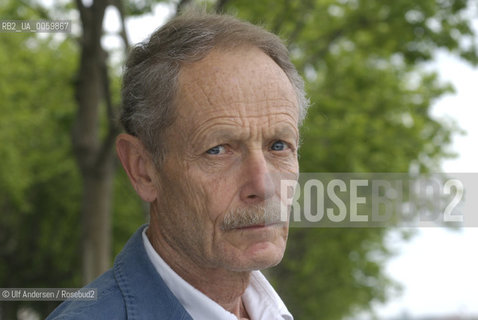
column 216, row 150
column 278, row 146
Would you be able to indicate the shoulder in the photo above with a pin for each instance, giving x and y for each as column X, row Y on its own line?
column 132, row 289
column 109, row 302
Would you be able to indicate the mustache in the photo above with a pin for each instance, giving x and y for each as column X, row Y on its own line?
column 255, row 215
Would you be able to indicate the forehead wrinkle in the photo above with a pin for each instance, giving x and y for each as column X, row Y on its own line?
column 234, row 130
column 236, row 119
column 188, row 92
column 219, row 94
column 237, row 109
column 202, row 132
column 220, row 83
column 241, row 109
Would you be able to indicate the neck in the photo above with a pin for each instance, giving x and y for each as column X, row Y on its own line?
column 225, row 287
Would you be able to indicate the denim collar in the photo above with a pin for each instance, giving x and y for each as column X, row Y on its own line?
column 145, row 294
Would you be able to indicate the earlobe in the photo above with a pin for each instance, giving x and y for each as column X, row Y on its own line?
column 138, row 165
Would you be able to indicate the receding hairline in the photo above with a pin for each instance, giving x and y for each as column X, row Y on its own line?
column 223, row 51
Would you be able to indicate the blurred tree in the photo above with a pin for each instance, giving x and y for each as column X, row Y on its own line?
column 40, row 184
column 38, row 177
column 371, row 98
column 94, row 153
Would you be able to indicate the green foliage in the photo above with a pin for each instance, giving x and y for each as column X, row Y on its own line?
column 140, row 7
column 40, row 186
column 38, row 177
column 370, row 118
column 371, row 100
column 333, row 275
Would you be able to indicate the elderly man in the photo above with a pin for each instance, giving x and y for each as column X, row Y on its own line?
column 212, row 107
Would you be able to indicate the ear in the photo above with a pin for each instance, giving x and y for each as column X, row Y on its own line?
column 138, row 165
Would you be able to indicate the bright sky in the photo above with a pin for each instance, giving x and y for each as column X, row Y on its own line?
column 438, row 268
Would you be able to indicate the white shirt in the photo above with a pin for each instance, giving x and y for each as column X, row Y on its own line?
column 260, row 299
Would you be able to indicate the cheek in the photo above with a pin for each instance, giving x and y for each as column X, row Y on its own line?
column 200, row 196
column 197, row 200
column 183, row 213
column 181, row 201
column 215, row 194
column 285, row 165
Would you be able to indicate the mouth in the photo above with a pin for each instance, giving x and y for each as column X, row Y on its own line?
column 253, row 227
column 258, row 226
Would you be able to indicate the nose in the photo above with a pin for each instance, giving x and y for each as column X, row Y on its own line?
column 258, row 184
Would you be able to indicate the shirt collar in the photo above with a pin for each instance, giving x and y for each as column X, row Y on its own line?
column 260, row 299
column 140, row 285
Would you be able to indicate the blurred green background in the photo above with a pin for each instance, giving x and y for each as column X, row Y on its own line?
column 364, row 66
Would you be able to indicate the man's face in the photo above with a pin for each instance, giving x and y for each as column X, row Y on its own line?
column 236, row 134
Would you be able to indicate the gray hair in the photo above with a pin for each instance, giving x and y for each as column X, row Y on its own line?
column 150, row 81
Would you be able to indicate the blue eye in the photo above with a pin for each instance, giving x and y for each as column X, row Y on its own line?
column 215, row 150
column 278, row 146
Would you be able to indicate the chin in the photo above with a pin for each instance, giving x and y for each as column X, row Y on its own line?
column 256, row 265
column 267, row 264
column 255, row 249
column 259, row 259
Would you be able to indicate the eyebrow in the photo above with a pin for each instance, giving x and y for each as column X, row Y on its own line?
column 223, row 134
column 285, row 130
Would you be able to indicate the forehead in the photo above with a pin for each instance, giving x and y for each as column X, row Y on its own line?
column 235, row 82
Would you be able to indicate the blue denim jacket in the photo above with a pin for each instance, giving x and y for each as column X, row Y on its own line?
column 131, row 290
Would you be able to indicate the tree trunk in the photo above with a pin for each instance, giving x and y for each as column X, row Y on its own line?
column 94, row 154
column 96, row 224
